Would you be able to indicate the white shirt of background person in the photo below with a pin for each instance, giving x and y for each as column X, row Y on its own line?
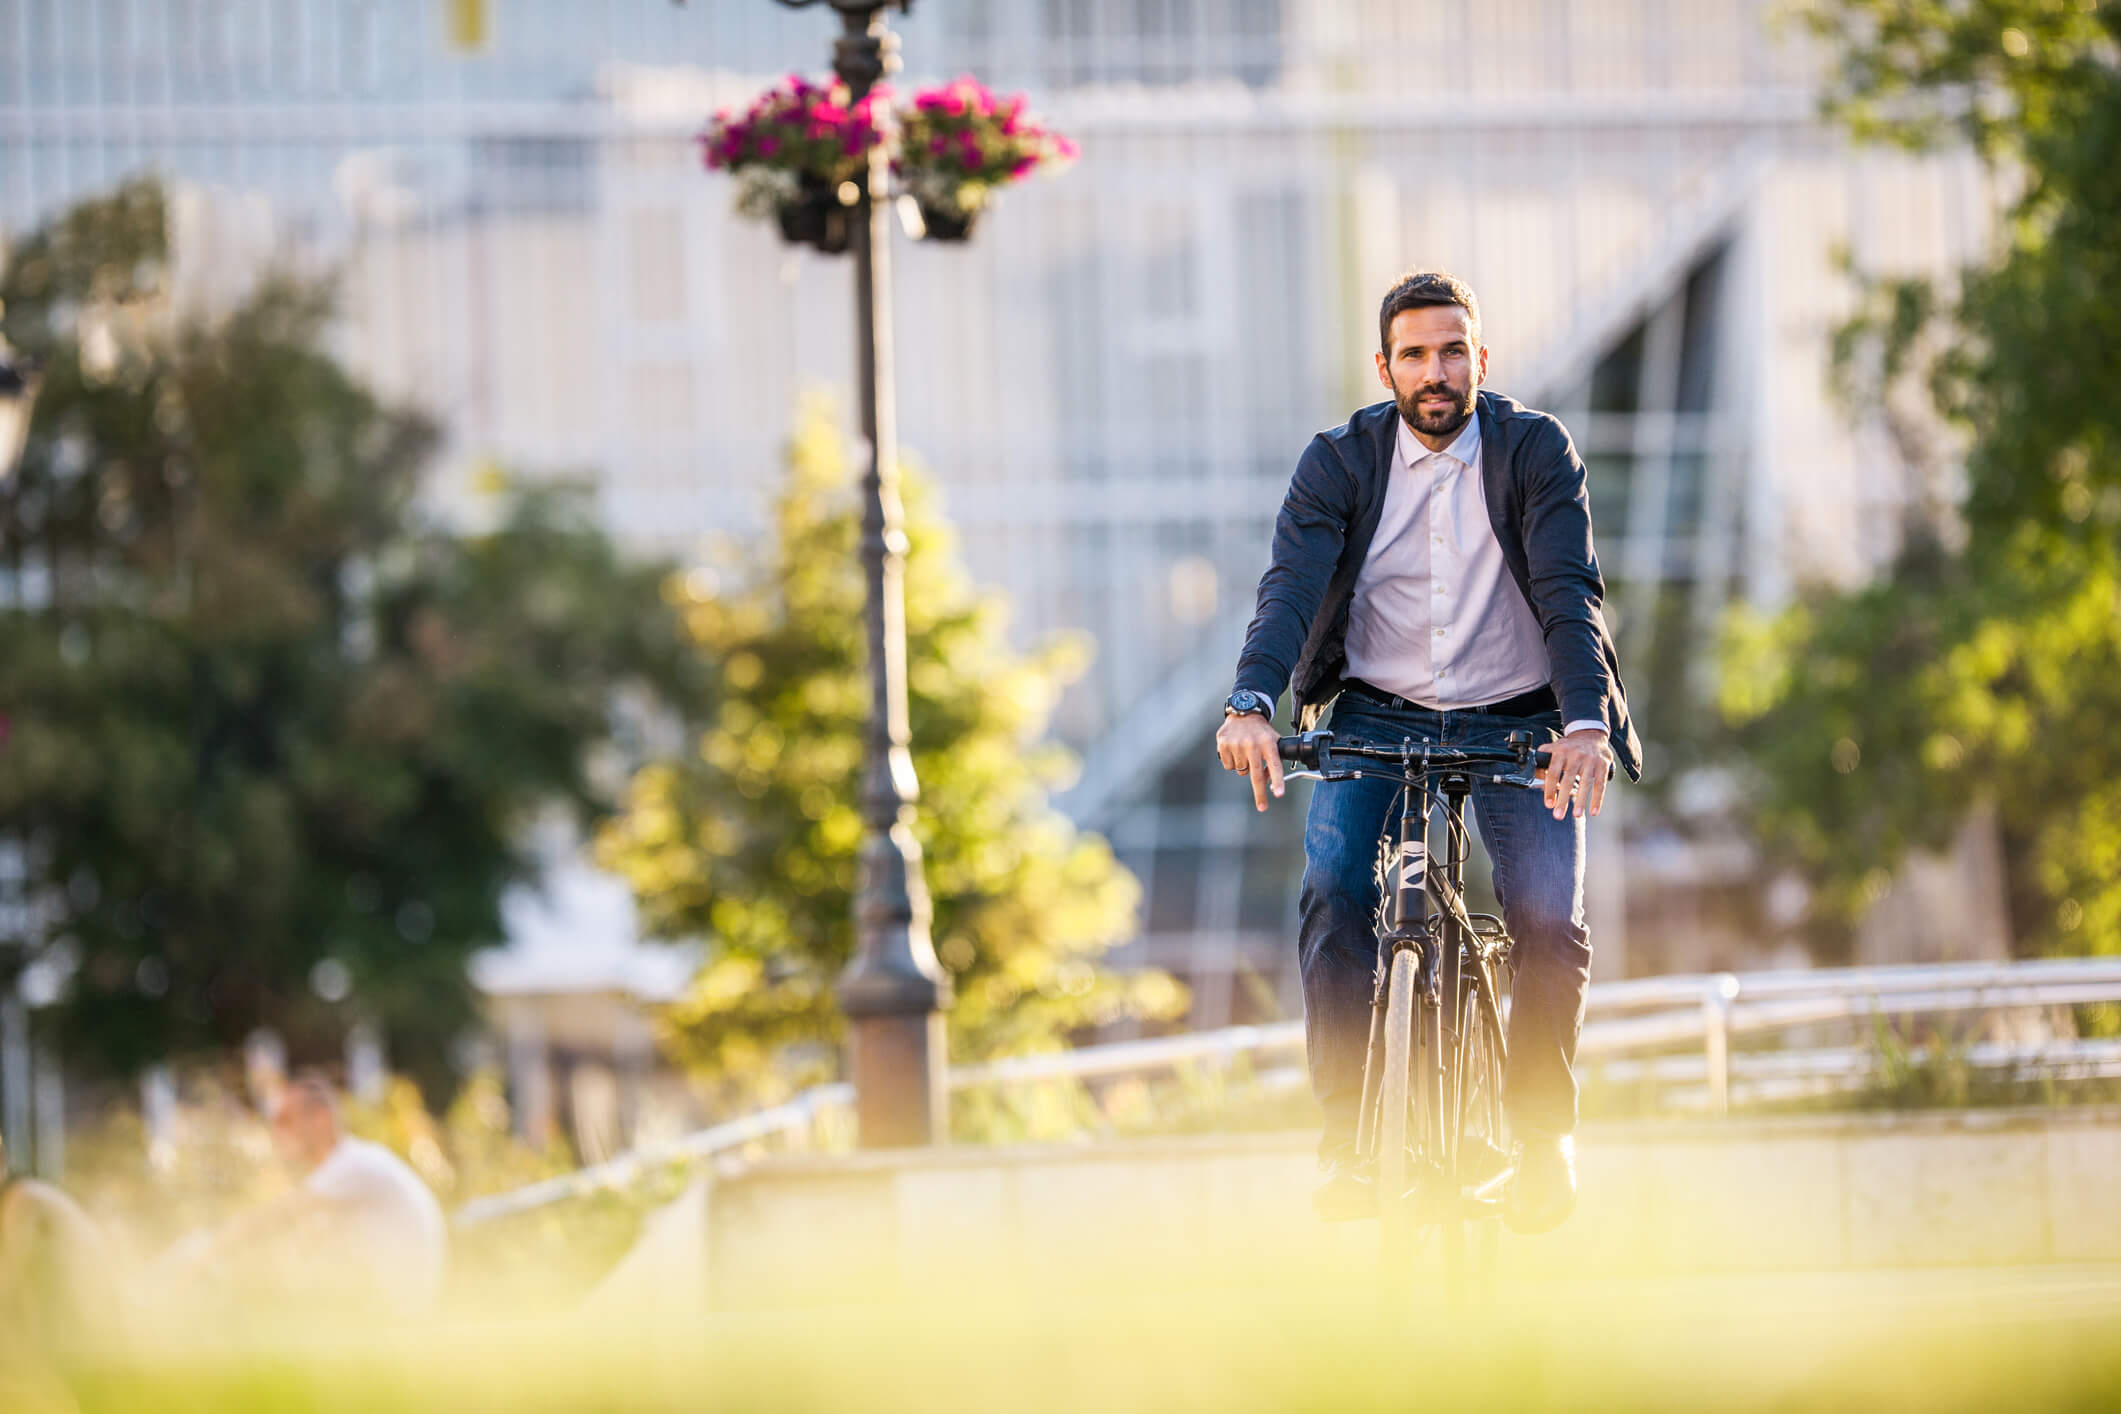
column 392, row 1220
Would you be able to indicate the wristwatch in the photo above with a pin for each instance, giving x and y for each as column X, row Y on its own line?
column 1245, row 700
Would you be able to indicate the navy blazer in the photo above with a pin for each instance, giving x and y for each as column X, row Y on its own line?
column 1535, row 488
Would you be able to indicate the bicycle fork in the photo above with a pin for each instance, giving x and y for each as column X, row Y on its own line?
column 1409, row 928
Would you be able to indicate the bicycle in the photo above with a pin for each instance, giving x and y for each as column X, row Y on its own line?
column 1431, row 1123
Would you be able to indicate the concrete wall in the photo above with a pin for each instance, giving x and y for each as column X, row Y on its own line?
column 1845, row 1191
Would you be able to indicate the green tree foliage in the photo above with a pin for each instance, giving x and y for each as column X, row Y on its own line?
column 272, row 742
column 1986, row 667
column 750, row 840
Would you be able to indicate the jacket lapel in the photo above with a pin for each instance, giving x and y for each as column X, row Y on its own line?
column 1495, row 479
column 1378, row 474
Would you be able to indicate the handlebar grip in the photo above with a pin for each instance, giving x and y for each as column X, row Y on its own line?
column 1303, row 750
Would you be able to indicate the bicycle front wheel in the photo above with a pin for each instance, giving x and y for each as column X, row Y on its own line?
column 1395, row 1106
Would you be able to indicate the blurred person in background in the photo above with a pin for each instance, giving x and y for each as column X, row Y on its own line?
column 1432, row 578
column 359, row 1230
column 58, row 1284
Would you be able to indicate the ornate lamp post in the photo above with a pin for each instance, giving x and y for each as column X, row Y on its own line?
column 894, row 992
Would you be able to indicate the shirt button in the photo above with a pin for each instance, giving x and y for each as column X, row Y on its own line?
column 1439, row 633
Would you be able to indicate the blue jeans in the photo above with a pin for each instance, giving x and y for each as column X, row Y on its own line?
column 1538, row 878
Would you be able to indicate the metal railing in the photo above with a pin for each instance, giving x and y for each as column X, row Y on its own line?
column 1623, row 1019
column 797, row 1115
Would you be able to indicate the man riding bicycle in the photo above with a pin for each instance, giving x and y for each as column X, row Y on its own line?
column 1433, row 579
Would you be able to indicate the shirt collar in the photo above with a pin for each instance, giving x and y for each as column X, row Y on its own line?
column 1465, row 450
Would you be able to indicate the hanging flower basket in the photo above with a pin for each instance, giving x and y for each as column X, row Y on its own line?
column 813, row 216
column 958, row 145
column 795, row 153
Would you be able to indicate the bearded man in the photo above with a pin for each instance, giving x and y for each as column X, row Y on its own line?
column 1433, row 579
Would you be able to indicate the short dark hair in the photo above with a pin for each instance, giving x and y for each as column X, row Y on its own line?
column 1423, row 289
column 313, row 1087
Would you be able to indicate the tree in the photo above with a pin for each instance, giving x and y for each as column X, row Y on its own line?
column 273, row 740
column 750, row 840
column 1986, row 666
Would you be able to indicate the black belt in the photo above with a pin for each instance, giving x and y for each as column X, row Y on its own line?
column 1537, row 702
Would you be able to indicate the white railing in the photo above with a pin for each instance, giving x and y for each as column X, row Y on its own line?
column 1643, row 1015
column 798, row 1115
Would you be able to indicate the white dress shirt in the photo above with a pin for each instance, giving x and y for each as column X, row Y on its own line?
column 1437, row 617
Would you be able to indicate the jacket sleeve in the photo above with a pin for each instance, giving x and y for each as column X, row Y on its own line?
column 1568, row 592
column 1308, row 536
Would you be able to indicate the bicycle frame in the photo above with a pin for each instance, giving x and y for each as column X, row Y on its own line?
column 1453, row 948
column 1456, row 953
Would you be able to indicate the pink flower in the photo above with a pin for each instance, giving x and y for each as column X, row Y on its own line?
column 929, row 102
column 851, row 145
column 1065, row 149
column 829, row 113
column 768, row 146
column 972, row 157
column 938, row 145
column 1023, row 168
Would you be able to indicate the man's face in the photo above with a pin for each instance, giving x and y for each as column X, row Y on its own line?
column 298, row 1130
column 1435, row 368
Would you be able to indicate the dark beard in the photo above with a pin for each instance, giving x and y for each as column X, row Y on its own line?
column 1441, row 424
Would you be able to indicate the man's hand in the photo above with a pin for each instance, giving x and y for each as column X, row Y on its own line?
column 1246, row 743
column 1578, row 767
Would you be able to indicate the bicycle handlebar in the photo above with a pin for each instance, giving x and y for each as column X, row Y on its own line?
column 1318, row 750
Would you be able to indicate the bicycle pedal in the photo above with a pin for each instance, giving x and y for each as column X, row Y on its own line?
column 1483, row 1163
column 1488, row 1193
column 1433, row 1201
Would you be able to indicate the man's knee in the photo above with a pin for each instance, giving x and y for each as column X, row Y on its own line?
column 1336, row 920
column 1551, row 930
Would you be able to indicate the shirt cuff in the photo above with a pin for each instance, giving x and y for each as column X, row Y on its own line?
column 1586, row 724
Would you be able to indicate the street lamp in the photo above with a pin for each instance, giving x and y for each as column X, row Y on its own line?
column 893, row 993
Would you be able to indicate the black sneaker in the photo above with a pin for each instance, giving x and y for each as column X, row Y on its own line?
column 1349, row 1192
column 1543, row 1191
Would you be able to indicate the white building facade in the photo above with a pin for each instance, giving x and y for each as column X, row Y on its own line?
column 1113, row 381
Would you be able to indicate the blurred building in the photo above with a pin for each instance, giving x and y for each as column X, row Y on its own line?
column 1114, row 380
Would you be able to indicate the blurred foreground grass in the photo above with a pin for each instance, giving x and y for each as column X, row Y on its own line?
column 1283, row 1336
